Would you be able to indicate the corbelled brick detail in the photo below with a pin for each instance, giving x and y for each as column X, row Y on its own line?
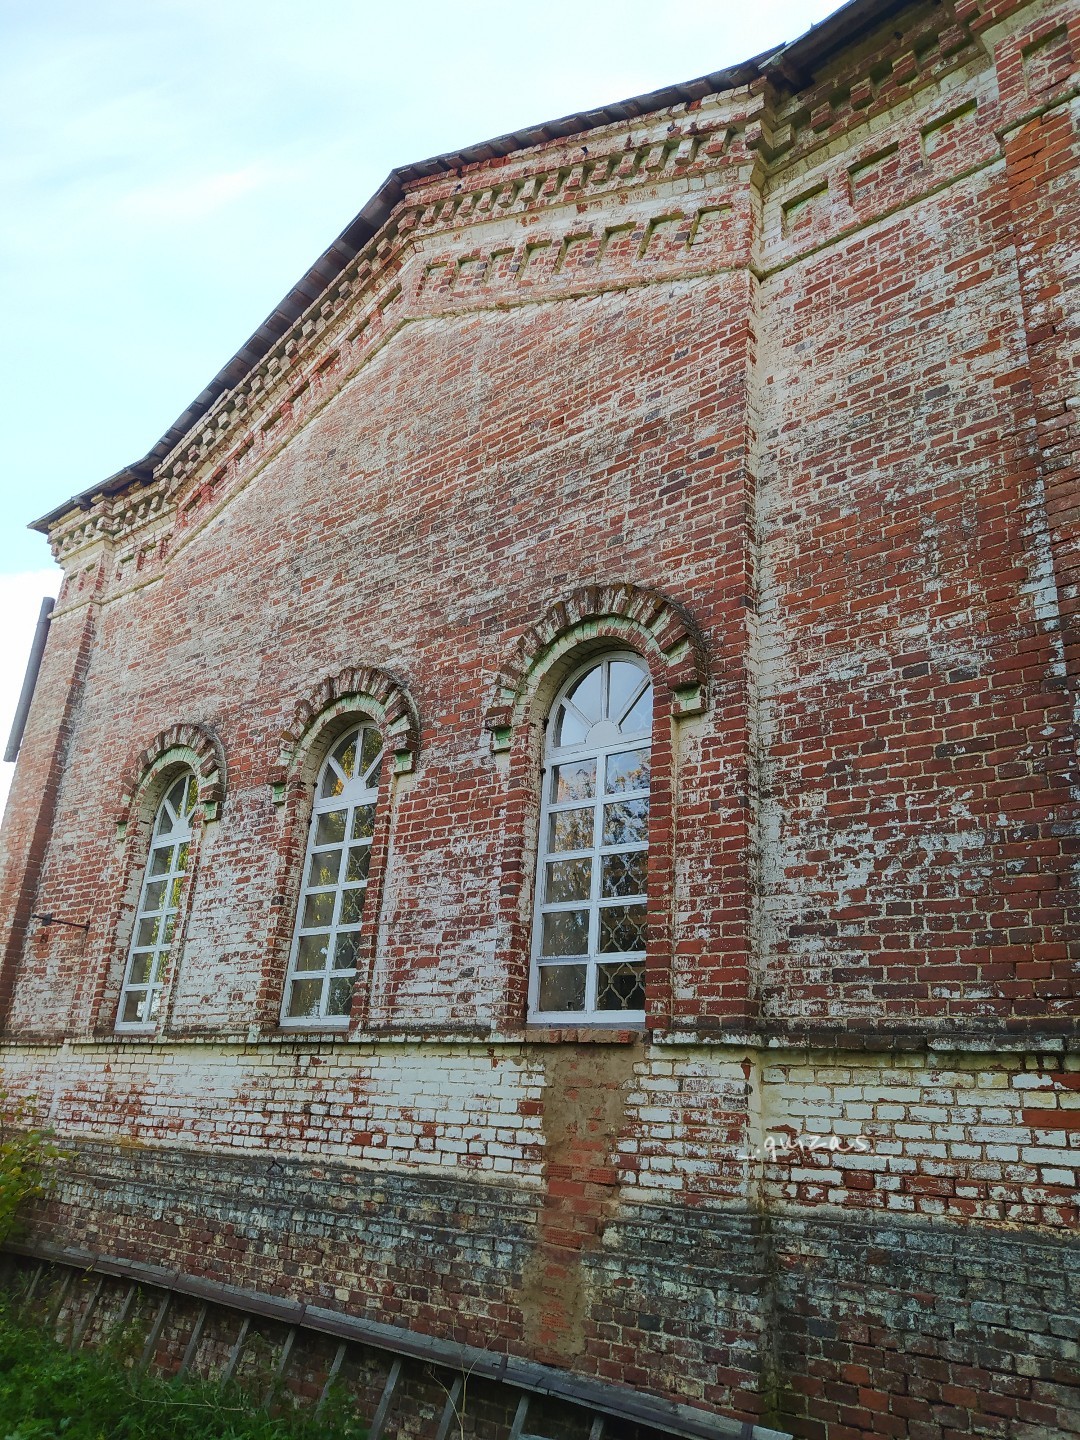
column 776, row 387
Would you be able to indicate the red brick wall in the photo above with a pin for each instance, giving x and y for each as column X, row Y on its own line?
column 778, row 389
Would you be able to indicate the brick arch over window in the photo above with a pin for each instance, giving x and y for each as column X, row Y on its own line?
column 182, row 744
column 360, row 692
column 629, row 615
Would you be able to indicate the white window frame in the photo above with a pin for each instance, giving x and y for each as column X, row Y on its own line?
column 357, row 793
column 157, row 914
column 604, row 740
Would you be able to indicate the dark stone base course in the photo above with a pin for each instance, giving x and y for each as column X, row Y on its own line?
column 831, row 1327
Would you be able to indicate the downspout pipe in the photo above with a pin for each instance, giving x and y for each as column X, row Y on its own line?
column 33, row 665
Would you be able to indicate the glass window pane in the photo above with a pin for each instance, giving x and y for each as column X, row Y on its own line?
column 626, row 822
column 628, row 770
column 562, row 987
column 622, row 929
column 332, row 781
column 153, row 896
column 587, row 694
column 352, row 903
column 134, row 1004
column 624, row 874
column 624, row 681
column 571, row 830
column 639, row 721
column 568, row 880
column 167, row 928
column 304, row 997
column 178, row 794
column 140, row 970
column 357, row 869
column 192, row 796
column 345, row 753
column 620, row 987
column 324, row 868
column 175, row 891
column 341, row 987
column 147, row 931
column 319, row 911
column 363, row 822
column 330, row 827
column 311, row 952
column 576, row 781
column 181, row 862
column 565, row 932
column 372, row 749
column 163, row 825
column 569, row 728
column 346, row 950
column 160, row 860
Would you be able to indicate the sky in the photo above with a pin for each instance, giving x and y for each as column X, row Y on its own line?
column 169, row 170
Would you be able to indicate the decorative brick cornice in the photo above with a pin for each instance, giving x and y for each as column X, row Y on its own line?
column 115, row 518
column 641, row 619
column 353, row 692
column 183, row 743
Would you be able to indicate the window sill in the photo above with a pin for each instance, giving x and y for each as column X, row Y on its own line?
column 538, row 1031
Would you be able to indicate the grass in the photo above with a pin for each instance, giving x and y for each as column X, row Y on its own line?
column 46, row 1393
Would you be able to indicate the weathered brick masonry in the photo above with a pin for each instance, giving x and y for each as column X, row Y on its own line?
column 774, row 382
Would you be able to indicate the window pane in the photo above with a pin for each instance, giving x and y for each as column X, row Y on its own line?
column 566, row 932
column 624, row 874
column 352, row 903
column 626, row 822
column 153, row 896
column 324, row 868
column 345, row 753
column 175, row 891
column 177, row 796
column 627, row 771
column 568, row 880
column 134, row 1004
column 345, row 951
column 622, row 929
column 576, row 781
column 363, row 822
column 640, row 718
column 181, row 861
column 304, row 998
column 587, row 695
column 341, row 987
column 562, row 987
column 372, row 749
column 167, row 928
column 141, row 966
column 332, row 782
column 160, row 860
column 357, row 869
column 147, row 932
column 620, row 987
column 571, row 830
column 569, row 729
column 319, row 911
column 311, row 952
column 330, row 828
column 623, row 684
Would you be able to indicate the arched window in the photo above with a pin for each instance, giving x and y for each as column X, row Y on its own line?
column 159, row 904
column 589, row 928
column 322, row 964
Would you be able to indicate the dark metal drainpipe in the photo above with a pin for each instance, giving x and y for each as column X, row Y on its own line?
column 33, row 665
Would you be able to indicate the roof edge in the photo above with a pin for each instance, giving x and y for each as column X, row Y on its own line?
column 788, row 66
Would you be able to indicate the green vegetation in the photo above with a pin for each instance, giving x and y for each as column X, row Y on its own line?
column 28, row 1155
column 48, row 1394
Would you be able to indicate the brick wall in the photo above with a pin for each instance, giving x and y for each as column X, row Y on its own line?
column 777, row 388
